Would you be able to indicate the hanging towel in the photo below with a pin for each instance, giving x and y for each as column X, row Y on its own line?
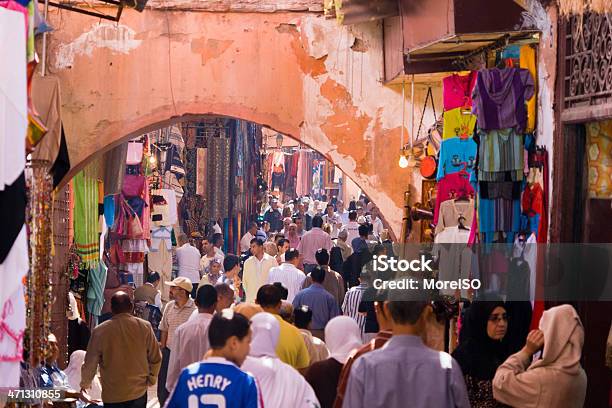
column 96, row 279
column 134, row 153
column 86, row 217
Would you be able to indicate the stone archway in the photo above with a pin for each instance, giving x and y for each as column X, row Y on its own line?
column 296, row 73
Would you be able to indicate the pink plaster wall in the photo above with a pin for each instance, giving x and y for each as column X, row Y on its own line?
column 294, row 72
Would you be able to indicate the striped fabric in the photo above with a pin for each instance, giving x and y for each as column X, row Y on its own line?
column 350, row 306
column 86, row 217
column 500, row 151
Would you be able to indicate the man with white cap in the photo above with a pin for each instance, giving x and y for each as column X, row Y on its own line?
column 176, row 312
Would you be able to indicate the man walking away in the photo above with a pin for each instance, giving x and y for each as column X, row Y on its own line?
column 188, row 258
column 191, row 338
column 312, row 241
column 323, row 305
column 288, row 274
column 176, row 312
column 291, row 347
column 333, row 282
column 128, row 356
column 218, row 381
column 406, row 373
column 352, row 227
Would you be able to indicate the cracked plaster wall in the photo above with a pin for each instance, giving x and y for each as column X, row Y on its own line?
column 297, row 73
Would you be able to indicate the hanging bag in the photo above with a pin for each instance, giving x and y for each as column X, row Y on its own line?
column 429, row 163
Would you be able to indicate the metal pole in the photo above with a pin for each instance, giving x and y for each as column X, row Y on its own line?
column 412, row 115
column 403, row 113
column 44, row 46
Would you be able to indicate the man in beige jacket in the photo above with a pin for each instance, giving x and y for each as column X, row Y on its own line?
column 127, row 352
column 557, row 379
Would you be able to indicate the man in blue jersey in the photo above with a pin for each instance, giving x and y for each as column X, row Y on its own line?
column 217, row 381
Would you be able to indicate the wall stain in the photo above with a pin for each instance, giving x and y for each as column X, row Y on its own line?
column 210, row 48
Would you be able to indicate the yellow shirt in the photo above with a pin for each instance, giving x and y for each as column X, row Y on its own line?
column 457, row 123
column 528, row 61
column 291, row 348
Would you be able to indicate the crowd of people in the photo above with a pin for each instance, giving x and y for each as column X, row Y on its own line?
column 284, row 324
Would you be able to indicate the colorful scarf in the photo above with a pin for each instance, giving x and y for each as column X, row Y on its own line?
column 86, row 218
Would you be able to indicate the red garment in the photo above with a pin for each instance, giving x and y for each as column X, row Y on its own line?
column 457, row 90
column 451, row 185
column 532, row 202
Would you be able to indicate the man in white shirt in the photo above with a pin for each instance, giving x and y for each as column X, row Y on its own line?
column 352, row 227
column 333, row 220
column 188, row 258
column 256, row 270
column 190, row 341
column 288, row 274
column 245, row 242
column 342, row 213
column 377, row 225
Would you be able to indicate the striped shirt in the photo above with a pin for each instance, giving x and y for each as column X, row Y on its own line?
column 174, row 316
column 289, row 276
column 350, row 306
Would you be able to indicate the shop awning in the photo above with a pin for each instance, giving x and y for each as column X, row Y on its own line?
column 443, row 35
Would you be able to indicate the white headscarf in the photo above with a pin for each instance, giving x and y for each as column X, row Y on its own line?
column 342, row 335
column 73, row 372
column 73, row 312
column 266, row 331
column 281, row 385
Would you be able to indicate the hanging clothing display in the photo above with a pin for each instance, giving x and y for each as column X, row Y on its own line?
column 218, row 187
column 499, row 98
column 201, row 171
column 12, row 329
column 457, row 155
column 86, row 216
column 457, row 90
column 13, row 97
column 528, row 61
column 458, row 122
column 500, row 151
column 451, row 211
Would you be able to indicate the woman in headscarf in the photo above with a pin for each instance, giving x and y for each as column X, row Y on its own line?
column 557, row 379
column 281, row 385
column 213, row 272
column 73, row 372
column 342, row 336
column 481, row 350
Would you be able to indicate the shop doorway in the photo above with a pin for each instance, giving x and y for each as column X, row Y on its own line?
column 588, row 208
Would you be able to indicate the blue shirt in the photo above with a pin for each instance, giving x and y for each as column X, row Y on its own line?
column 455, row 155
column 323, row 305
column 406, row 373
column 214, row 382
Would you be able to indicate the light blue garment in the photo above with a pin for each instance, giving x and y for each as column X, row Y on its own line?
column 95, row 294
column 455, row 155
column 405, row 373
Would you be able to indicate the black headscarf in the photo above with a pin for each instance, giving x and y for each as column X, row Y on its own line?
column 477, row 353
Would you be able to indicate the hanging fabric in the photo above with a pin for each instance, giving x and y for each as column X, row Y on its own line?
column 86, row 216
